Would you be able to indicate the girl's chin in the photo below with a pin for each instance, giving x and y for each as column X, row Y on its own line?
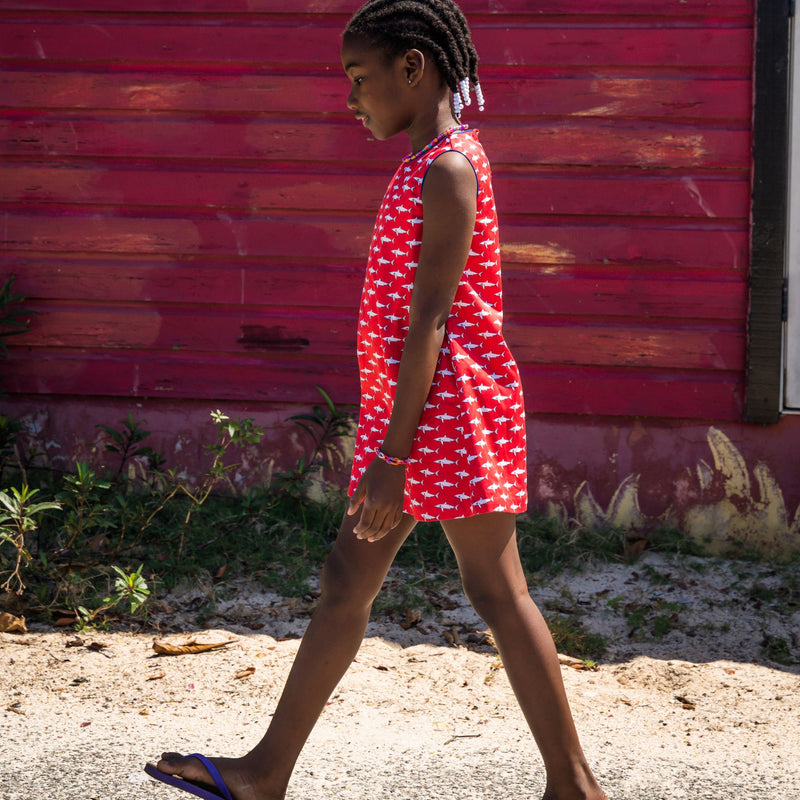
column 380, row 134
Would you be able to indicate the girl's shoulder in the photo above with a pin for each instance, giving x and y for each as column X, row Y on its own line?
column 467, row 143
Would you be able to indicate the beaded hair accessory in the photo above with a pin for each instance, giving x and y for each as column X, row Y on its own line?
column 462, row 97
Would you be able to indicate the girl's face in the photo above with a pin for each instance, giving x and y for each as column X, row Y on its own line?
column 379, row 90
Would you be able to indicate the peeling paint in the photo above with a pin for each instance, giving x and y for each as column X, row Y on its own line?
column 550, row 253
column 622, row 512
column 720, row 510
column 724, row 488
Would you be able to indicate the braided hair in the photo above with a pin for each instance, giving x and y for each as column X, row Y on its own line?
column 438, row 26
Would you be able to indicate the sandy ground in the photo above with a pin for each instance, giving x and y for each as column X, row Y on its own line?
column 695, row 712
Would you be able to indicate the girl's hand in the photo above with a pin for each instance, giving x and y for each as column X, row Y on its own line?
column 381, row 490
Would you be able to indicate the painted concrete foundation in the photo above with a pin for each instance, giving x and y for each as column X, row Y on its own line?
column 722, row 483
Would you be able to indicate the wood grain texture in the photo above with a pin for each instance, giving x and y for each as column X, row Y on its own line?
column 124, row 40
column 538, row 8
column 671, row 97
column 539, row 191
column 188, row 203
column 628, row 292
column 256, row 378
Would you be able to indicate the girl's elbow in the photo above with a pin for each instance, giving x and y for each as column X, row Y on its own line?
column 429, row 322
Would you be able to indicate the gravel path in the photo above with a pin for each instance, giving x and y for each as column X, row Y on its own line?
column 415, row 717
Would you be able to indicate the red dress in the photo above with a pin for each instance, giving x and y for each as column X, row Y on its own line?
column 468, row 455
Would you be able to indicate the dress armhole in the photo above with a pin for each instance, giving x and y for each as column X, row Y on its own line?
column 469, row 161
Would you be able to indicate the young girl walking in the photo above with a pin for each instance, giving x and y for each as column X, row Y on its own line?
column 441, row 434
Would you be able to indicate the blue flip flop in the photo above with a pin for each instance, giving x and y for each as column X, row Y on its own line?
column 206, row 793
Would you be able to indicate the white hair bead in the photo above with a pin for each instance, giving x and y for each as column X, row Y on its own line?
column 457, row 105
column 479, row 96
column 464, row 88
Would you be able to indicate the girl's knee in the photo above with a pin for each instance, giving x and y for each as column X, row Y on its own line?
column 494, row 598
column 343, row 583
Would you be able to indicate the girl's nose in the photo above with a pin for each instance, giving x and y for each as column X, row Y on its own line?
column 350, row 102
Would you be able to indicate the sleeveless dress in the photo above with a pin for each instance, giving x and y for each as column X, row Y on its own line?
column 468, row 456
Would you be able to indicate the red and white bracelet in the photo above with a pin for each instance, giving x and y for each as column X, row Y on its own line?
column 393, row 460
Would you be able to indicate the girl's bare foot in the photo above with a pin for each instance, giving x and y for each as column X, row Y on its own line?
column 243, row 782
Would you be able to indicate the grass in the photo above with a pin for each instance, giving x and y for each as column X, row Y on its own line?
column 573, row 639
column 777, row 649
column 278, row 537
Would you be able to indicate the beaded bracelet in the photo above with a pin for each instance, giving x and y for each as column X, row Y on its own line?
column 392, row 460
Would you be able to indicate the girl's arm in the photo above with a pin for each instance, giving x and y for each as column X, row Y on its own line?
column 449, row 199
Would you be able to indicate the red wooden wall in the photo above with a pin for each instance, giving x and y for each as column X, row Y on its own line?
column 187, row 202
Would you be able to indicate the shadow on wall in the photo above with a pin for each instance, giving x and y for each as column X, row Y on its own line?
column 714, row 505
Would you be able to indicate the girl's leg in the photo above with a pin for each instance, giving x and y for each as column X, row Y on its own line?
column 351, row 579
column 494, row 582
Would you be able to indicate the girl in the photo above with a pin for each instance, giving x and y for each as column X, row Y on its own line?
column 441, row 429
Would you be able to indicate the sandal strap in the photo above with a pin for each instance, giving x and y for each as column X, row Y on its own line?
column 214, row 773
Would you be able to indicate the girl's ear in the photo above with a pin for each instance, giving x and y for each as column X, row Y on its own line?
column 413, row 66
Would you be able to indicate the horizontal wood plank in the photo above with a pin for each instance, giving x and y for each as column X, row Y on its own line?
column 628, row 393
column 115, row 41
column 537, row 8
column 535, row 193
column 610, row 96
column 254, row 378
column 564, row 290
column 320, row 334
column 312, row 238
column 571, row 142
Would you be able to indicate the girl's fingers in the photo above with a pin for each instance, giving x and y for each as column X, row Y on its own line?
column 381, row 530
column 364, row 525
column 375, row 523
column 356, row 500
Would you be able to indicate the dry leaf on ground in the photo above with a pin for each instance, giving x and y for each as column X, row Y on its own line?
column 245, row 672
column 189, row 645
column 9, row 623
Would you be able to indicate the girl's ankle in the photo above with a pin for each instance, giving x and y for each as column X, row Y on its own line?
column 263, row 777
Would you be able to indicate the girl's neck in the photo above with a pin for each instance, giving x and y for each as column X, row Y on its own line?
column 429, row 126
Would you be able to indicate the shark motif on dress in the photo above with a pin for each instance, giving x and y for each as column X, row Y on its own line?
column 468, row 456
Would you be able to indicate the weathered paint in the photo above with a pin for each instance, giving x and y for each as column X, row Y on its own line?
column 728, row 485
column 187, row 203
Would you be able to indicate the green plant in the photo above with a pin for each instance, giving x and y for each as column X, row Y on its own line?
column 326, row 426
column 17, row 523
column 128, row 587
column 127, row 444
column 572, row 638
column 230, row 433
column 777, row 649
column 146, row 495
column 399, row 596
column 654, row 619
column 84, row 502
column 549, row 544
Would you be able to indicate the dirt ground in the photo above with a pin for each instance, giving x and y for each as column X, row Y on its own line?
column 686, row 702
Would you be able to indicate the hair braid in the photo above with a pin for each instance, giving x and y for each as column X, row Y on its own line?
column 438, row 26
